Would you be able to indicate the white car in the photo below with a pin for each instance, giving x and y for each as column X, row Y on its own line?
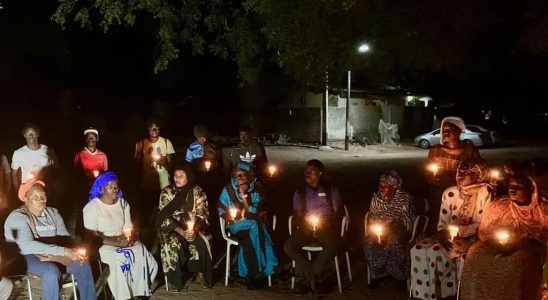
column 475, row 134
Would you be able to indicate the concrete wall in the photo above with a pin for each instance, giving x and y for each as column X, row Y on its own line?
column 301, row 124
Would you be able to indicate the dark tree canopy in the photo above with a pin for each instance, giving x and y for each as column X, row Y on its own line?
column 411, row 40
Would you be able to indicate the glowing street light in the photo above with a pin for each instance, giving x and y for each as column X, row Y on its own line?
column 364, row 48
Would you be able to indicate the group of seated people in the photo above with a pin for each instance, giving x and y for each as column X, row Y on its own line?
column 181, row 226
column 485, row 247
column 482, row 244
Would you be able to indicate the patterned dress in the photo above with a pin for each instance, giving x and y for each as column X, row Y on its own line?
column 175, row 251
column 433, row 269
column 397, row 215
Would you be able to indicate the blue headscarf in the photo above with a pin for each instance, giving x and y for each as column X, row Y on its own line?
column 100, row 182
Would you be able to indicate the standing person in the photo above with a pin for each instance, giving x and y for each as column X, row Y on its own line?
column 153, row 154
column 91, row 161
column 41, row 235
column 256, row 257
column 392, row 208
column 248, row 150
column 446, row 156
column 463, row 206
column 321, row 200
column 34, row 161
column 108, row 221
column 184, row 204
column 88, row 163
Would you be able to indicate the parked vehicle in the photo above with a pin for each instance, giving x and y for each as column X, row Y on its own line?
column 475, row 134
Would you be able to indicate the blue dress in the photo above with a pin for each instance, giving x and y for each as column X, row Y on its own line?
column 256, row 250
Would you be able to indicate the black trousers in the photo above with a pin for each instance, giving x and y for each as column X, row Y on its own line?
column 328, row 239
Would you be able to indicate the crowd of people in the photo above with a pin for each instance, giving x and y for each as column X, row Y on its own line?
column 486, row 237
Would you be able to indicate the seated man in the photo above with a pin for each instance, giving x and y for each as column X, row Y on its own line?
column 317, row 200
column 38, row 230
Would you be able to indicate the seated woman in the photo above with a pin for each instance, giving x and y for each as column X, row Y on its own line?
column 509, row 267
column 181, row 222
column 108, row 221
column 433, row 273
column 392, row 208
column 242, row 196
column 39, row 232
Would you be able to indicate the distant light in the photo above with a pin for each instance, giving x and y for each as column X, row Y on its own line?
column 364, row 48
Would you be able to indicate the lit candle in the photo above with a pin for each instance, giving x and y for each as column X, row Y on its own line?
column 377, row 229
column 434, row 168
column 272, row 170
column 494, row 174
column 207, row 164
column 127, row 233
column 156, row 157
column 503, row 236
column 32, row 176
column 233, row 212
column 453, row 231
column 314, row 221
column 190, row 225
column 81, row 254
column 95, row 173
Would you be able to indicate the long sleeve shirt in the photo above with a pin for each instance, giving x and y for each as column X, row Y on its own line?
column 49, row 224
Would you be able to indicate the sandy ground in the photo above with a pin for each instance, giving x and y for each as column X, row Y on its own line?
column 355, row 172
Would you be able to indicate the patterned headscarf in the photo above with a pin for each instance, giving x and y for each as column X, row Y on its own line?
column 392, row 178
column 477, row 166
column 100, row 182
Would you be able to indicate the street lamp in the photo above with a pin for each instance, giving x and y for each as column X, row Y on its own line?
column 362, row 48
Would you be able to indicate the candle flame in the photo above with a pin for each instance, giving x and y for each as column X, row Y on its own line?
column 433, row 167
column 453, row 231
column 190, row 225
column 95, row 173
column 377, row 229
column 207, row 164
column 272, row 170
column 314, row 220
column 495, row 174
column 233, row 212
column 503, row 237
column 156, row 156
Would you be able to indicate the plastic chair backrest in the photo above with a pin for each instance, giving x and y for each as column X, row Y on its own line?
column 419, row 227
column 222, row 223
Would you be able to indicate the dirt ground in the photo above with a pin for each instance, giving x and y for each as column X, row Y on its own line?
column 355, row 172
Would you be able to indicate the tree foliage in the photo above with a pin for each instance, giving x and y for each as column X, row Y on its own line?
column 307, row 38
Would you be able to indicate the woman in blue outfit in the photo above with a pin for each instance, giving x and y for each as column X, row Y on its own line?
column 241, row 204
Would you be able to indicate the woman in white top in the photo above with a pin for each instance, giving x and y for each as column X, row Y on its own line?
column 107, row 218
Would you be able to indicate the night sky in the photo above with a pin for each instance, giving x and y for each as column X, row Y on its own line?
column 44, row 69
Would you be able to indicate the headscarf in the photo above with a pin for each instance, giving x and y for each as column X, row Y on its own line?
column 183, row 165
column 392, row 178
column 245, row 166
column 452, row 120
column 532, row 218
column 100, row 182
column 25, row 187
column 528, row 220
column 469, row 197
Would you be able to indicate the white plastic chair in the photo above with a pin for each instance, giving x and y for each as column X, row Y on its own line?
column 418, row 230
column 231, row 241
column 312, row 248
column 72, row 284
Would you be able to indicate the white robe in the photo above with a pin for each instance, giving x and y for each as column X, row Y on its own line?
column 132, row 269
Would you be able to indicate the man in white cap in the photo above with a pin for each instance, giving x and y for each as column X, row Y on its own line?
column 90, row 160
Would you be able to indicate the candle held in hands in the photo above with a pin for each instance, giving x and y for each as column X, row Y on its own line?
column 314, row 221
column 272, row 170
column 377, row 229
column 453, row 231
column 190, row 225
column 503, row 236
column 233, row 212
column 434, row 168
column 207, row 165
column 95, row 173
column 81, row 254
column 127, row 233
